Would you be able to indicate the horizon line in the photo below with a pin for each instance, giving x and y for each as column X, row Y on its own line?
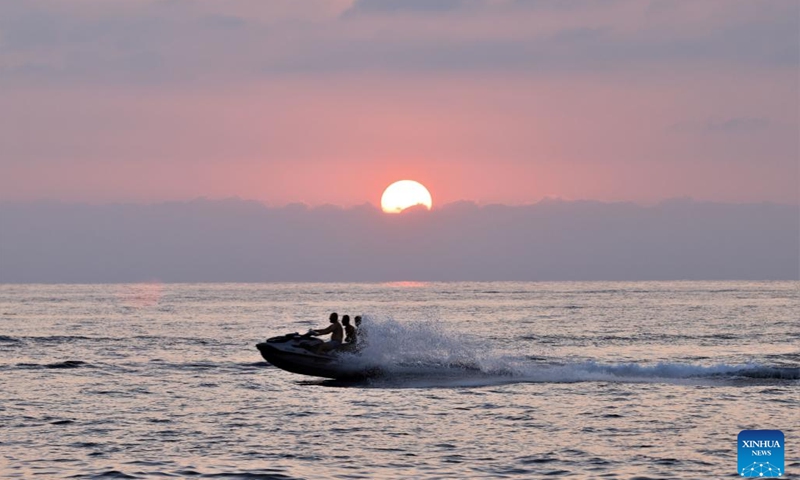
column 417, row 283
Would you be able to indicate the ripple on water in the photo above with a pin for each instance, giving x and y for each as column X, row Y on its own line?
column 106, row 474
column 62, row 422
column 536, row 460
column 56, row 366
column 265, row 475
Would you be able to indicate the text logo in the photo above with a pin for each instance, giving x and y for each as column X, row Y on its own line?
column 761, row 453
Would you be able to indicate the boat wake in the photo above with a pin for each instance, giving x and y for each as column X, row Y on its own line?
column 422, row 354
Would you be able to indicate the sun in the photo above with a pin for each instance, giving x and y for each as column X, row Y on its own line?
column 404, row 194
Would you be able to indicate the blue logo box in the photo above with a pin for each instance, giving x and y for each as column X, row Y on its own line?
column 761, row 453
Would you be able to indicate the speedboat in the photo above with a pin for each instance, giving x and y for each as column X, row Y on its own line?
column 298, row 354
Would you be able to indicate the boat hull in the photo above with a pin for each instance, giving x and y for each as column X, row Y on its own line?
column 297, row 354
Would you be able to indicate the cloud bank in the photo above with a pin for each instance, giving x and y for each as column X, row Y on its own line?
column 239, row 241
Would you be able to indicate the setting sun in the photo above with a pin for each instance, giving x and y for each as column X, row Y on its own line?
column 404, row 194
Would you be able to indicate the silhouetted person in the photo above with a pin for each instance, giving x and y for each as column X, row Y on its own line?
column 359, row 335
column 337, row 334
column 349, row 330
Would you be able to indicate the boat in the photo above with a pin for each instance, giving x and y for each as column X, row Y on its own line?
column 298, row 354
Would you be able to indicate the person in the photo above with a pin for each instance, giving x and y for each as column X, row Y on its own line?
column 349, row 330
column 359, row 335
column 337, row 334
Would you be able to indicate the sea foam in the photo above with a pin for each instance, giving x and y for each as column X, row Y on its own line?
column 424, row 353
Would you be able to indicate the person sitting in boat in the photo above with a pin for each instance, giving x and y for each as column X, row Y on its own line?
column 359, row 335
column 337, row 334
column 349, row 330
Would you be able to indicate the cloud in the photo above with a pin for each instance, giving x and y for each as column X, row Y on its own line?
column 427, row 7
column 235, row 240
column 737, row 125
column 565, row 5
column 224, row 21
column 90, row 41
column 395, row 6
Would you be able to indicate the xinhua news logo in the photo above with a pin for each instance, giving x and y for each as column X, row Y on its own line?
column 761, row 453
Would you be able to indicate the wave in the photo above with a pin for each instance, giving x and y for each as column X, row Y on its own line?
column 678, row 370
column 60, row 339
column 56, row 365
column 453, row 375
column 594, row 371
column 424, row 353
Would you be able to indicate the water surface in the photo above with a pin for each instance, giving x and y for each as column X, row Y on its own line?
column 611, row 380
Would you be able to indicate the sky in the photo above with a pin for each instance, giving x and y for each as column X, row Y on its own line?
column 329, row 101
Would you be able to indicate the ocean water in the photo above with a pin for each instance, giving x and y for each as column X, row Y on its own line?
column 482, row 380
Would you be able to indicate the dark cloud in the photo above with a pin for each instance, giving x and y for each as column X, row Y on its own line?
column 565, row 5
column 737, row 125
column 168, row 41
column 395, row 6
column 224, row 21
column 569, row 50
column 235, row 240
column 423, row 7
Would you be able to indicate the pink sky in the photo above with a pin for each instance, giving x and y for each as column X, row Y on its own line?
column 330, row 101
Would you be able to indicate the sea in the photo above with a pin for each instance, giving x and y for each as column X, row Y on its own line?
column 643, row 380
